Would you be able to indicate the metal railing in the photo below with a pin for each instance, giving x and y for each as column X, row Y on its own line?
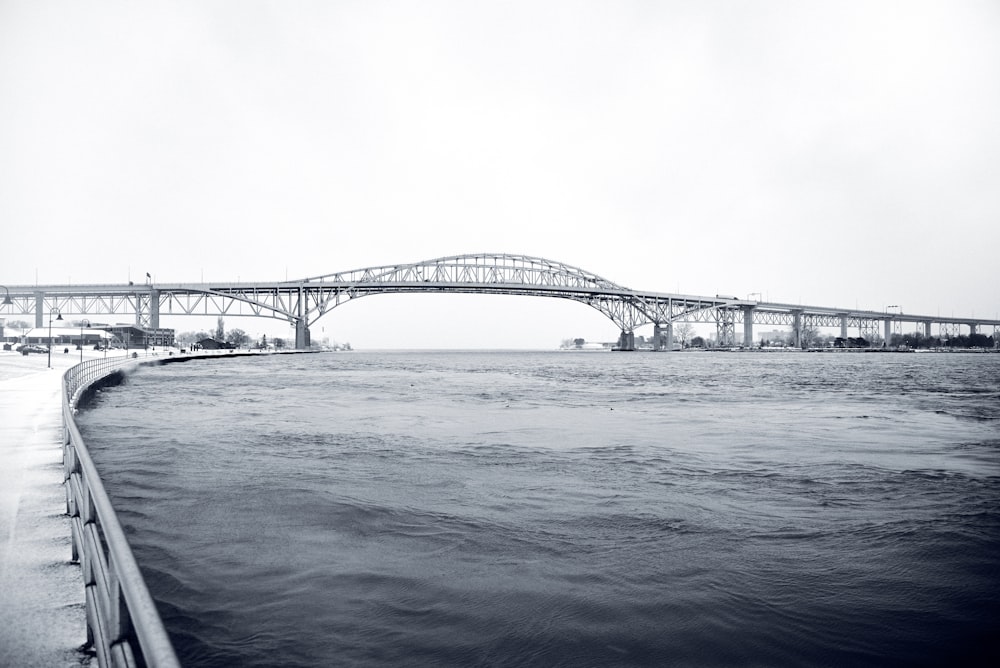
column 123, row 625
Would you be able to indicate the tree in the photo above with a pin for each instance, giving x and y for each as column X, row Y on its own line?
column 237, row 337
column 220, row 330
column 980, row 341
column 809, row 337
column 192, row 337
column 683, row 331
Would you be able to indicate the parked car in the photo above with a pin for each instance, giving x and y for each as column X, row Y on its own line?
column 25, row 349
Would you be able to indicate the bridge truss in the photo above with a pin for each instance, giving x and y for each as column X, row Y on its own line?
column 302, row 302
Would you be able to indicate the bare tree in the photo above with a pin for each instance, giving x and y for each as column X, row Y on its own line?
column 237, row 337
column 683, row 331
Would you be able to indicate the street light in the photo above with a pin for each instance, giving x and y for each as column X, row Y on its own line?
column 58, row 317
column 83, row 323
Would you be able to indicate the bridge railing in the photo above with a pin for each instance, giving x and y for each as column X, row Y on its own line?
column 123, row 625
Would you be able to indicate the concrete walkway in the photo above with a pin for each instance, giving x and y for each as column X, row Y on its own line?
column 42, row 617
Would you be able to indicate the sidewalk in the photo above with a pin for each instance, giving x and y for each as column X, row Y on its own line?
column 42, row 617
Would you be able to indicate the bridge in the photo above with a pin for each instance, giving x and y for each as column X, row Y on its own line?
column 304, row 301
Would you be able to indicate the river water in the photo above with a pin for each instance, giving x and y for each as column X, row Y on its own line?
column 564, row 509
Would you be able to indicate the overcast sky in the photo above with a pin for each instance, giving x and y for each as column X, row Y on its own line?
column 828, row 153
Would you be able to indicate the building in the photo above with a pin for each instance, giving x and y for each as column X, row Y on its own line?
column 133, row 336
column 212, row 344
column 65, row 336
column 124, row 336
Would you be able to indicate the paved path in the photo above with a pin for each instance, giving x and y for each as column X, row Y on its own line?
column 42, row 618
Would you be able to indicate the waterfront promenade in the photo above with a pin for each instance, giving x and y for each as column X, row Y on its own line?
column 42, row 618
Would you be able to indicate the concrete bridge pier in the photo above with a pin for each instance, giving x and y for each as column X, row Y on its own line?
column 888, row 332
column 843, row 327
column 626, row 341
column 663, row 337
column 748, row 326
column 302, row 340
column 154, row 309
column 301, row 324
column 39, row 309
column 927, row 329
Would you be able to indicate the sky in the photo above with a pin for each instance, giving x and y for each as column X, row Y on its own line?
column 832, row 154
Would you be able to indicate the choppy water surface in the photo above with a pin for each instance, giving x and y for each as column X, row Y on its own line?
column 564, row 509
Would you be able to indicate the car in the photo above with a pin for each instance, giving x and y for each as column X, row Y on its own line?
column 25, row 349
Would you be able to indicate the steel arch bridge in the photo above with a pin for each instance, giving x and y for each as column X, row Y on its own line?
column 302, row 302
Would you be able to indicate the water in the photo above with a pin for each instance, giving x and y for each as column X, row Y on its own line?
column 564, row 509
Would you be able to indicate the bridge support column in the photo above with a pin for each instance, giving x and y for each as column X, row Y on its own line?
column 748, row 326
column 656, row 338
column 39, row 309
column 301, row 334
column 626, row 341
column 797, row 329
column 843, row 327
column 301, row 325
column 154, row 309
column 668, row 337
column 927, row 329
column 888, row 333
column 973, row 330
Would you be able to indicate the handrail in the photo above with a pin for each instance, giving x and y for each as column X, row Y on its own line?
column 123, row 624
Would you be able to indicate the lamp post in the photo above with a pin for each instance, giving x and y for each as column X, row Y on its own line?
column 83, row 323
column 58, row 317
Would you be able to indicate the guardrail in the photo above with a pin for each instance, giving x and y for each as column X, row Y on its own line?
column 123, row 625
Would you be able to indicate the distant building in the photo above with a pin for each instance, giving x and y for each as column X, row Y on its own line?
column 212, row 344
column 133, row 336
column 65, row 336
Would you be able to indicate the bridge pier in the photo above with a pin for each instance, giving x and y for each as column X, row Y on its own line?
column 663, row 337
column 301, row 324
column 154, row 309
column 843, row 327
column 302, row 340
column 626, row 341
column 39, row 309
column 748, row 326
column 797, row 329
column 887, row 339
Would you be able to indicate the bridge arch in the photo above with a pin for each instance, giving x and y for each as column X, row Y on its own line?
column 480, row 273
